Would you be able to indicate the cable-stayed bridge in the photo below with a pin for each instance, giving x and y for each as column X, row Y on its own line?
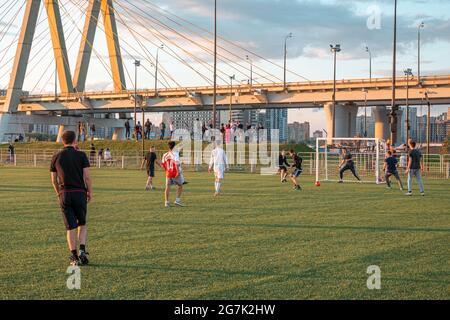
column 132, row 30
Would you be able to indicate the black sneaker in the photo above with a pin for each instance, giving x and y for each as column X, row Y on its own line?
column 74, row 261
column 185, row 182
column 83, row 258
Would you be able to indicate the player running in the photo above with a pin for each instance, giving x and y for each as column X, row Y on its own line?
column 174, row 174
column 149, row 161
column 347, row 164
column 218, row 163
column 73, row 186
column 390, row 169
column 297, row 165
column 282, row 165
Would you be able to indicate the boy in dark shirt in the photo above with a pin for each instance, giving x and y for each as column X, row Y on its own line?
column 297, row 165
column 390, row 169
column 149, row 160
column 282, row 165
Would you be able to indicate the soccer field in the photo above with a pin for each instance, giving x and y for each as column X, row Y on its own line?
column 260, row 240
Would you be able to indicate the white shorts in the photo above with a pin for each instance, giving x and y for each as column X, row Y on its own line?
column 219, row 172
column 177, row 181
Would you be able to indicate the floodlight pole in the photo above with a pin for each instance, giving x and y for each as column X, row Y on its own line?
column 215, row 66
column 231, row 94
column 393, row 114
column 334, row 49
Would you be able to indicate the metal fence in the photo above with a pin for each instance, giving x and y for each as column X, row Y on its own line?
column 437, row 166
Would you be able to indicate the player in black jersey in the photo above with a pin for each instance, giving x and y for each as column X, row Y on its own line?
column 297, row 165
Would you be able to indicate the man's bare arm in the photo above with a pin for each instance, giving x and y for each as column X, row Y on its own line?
column 88, row 182
column 54, row 178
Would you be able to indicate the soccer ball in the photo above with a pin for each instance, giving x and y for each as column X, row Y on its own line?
column 317, row 183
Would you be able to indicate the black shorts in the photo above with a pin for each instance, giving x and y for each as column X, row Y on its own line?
column 74, row 208
column 283, row 168
column 151, row 172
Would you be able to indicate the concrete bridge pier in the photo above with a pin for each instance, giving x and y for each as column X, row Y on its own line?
column 382, row 123
column 118, row 134
column 345, row 120
column 381, row 118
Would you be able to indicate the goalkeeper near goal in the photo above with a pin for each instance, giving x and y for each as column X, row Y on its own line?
column 347, row 164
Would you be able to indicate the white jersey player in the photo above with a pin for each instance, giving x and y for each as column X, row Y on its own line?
column 218, row 163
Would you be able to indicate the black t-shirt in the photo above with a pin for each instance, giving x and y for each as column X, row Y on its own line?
column 348, row 157
column 150, row 159
column 391, row 164
column 282, row 160
column 415, row 156
column 297, row 161
column 69, row 165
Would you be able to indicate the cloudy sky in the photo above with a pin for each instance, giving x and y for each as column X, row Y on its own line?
column 257, row 25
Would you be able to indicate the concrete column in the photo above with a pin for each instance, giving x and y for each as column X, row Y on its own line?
column 60, row 133
column 118, row 134
column 345, row 120
column 381, row 118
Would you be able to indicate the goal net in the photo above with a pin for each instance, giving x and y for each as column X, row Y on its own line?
column 336, row 156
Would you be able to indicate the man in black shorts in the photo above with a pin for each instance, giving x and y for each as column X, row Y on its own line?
column 73, row 186
column 347, row 164
column 297, row 165
column 282, row 166
column 149, row 161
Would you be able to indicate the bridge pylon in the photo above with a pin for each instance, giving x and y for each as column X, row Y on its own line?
column 67, row 85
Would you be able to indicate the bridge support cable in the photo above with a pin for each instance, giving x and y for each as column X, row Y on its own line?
column 169, row 13
column 229, row 62
column 99, row 57
column 166, row 40
column 89, row 43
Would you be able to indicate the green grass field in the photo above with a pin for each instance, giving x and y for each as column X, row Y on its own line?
column 260, row 240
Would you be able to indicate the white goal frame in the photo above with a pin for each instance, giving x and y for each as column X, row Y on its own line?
column 327, row 140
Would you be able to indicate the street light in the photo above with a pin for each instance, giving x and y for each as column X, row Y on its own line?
column 393, row 114
column 420, row 26
column 365, row 112
column 370, row 63
column 215, row 67
column 334, row 49
column 137, row 64
column 156, row 69
column 233, row 77
column 251, row 70
column 289, row 36
column 408, row 73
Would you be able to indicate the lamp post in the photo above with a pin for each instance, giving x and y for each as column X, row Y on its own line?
column 393, row 114
column 334, row 49
column 365, row 112
column 289, row 36
column 137, row 64
column 156, row 68
column 370, row 62
column 56, row 80
column 421, row 26
column 408, row 73
column 215, row 67
column 251, row 70
column 231, row 94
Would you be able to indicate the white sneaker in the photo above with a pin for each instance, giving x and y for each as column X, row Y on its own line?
column 178, row 203
column 167, row 205
column 408, row 194
column 422, row 194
